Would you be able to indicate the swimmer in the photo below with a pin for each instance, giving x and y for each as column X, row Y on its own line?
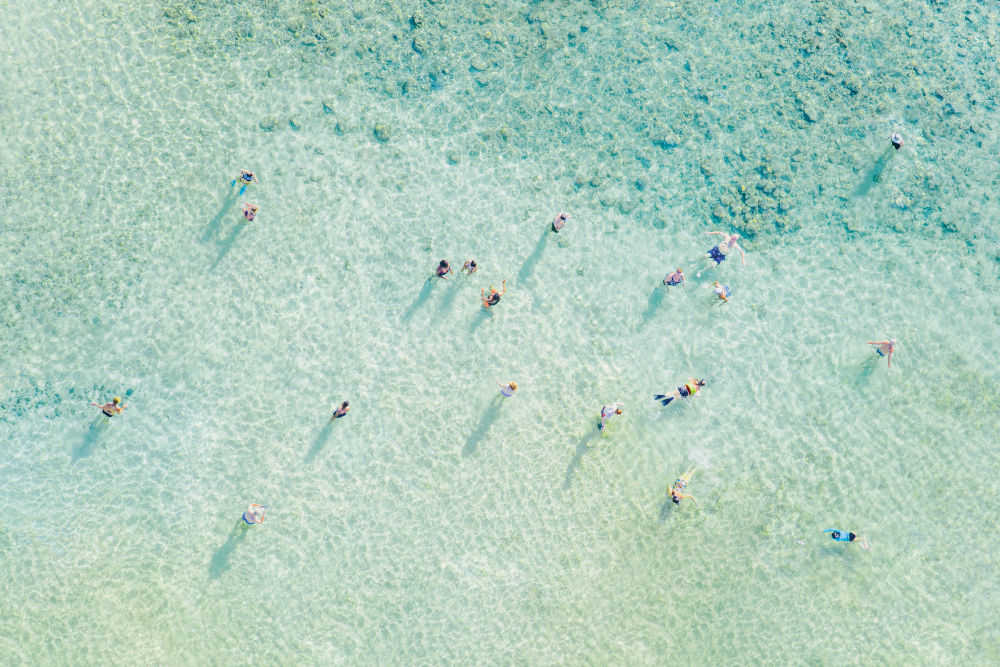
column 675, row 278
column 560, row 222
column 721, row 291
column 609, row 411
column 494, row 296
column 507, row 390
column 112, row 407
column 443, row 269
column 250, row 211
column 885, row 348
column 255, row 514
column 247, row 177
column 897, row 140
column 470, row 266
column 846, row 536
column 718, row 253
column 688, row 389
column 677, row 490
column 341, row 411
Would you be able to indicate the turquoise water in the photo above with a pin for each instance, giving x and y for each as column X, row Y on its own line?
column 433, row 525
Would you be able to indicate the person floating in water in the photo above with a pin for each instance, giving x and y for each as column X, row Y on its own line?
column 470, row 266
column 250, row 211
column 255, row 514
column 494, row 296
column 690, row 388
column 846, row 536
column 897, row 140
column 885, row 349
column 609, row 411
column 717, row 254
column 443, row 269
column 675, row 278
column 341, row 411
column 677, row 490
column 721, row 291
column 245, row 178
column 112, row 407
column 560, row 221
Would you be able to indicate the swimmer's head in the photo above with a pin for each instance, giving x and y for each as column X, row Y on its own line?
column 892, row 342
column 679, row 270
column 700, row 383
column 116, row 400
column 443, row 263
column 513, row 385
column 618, row 411
column 472, row 263
column 344, row 404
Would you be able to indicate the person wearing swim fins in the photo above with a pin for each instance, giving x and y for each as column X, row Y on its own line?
column 677, row 490
column 690, row 388
column 846, row 536
column 245, row 178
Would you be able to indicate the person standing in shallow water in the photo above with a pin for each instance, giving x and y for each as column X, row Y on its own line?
column 443, row 269
column 885, row 349
column 494, row 296
column 112, row 407
column 560, row 221
column 673, row 279
column 609, row 411
column 255, row 514
column 896, row 139
column 507, row 390
column 341, row 411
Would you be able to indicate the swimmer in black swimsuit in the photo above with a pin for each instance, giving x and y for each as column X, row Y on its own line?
column 443, row 269
column 112, row 407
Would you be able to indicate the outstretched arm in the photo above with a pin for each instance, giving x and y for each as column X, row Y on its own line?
column 888, row 357
column 877, row 342
column 719, row 233
column 743, row 258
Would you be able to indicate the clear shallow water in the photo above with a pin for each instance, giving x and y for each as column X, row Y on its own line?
column 431, row 525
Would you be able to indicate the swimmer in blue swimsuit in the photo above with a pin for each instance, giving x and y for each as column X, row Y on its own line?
column 717, row 254
column 846, row 536
column 885, row 348
column 246, row 178
column 255, row 514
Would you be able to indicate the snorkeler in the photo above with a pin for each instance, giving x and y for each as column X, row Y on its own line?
column 609, row 411
column 560, row 221
column 675, row 278
column 250, row 211
column 717, row 254
column 677, row 490
column 721, row 291
column 885, row 349
column 255, row 513
column 688, row 389
column 507, row 390
column 470, row 266
column 494, row 296
column 341, row 411
column 846, row 536
column 897, row 140
column 443, row 269
column 112, row 407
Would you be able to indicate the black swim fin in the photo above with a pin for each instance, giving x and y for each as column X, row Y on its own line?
column 659, row 396
column 667, row 400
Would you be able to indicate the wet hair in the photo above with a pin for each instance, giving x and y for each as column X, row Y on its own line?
column 344, row 404
column 443, row 263
column 677, row 501
column 472, row 262
column 513, row 385
column 116, row 400
column 618, row 411
column 700, row 383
